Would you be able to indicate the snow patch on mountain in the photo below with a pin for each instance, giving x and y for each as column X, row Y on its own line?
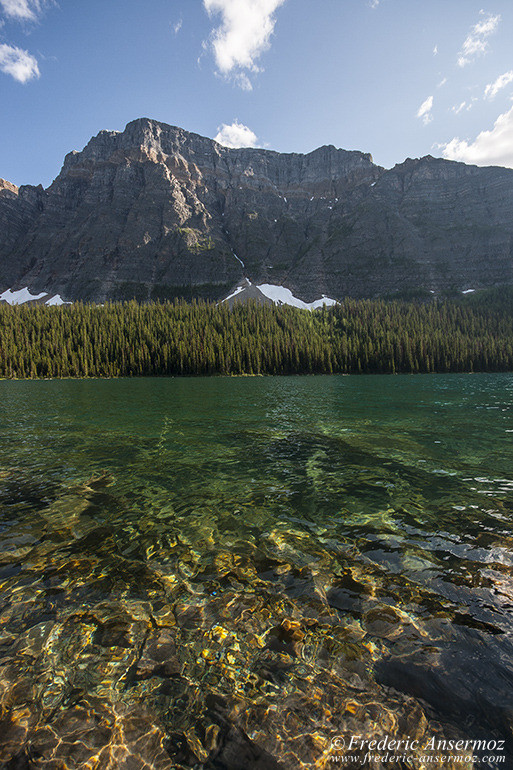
column 234, row 293
column 21, row 296
column 280, row 295
column 56, row 300
column 238, row 259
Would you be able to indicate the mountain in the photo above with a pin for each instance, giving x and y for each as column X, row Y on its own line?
column 155, row 212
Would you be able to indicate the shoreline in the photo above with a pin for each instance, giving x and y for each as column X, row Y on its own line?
column 251, row 376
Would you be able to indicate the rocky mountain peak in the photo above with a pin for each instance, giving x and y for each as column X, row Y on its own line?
column 155, row 211
column 8, row 186
column 148, row 140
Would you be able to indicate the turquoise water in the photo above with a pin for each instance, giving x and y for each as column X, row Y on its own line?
column 237, row 572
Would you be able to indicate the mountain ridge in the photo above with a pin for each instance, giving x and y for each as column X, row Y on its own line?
column 157, row 212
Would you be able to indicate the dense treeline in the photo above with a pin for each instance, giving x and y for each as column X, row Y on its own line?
column 129, row 339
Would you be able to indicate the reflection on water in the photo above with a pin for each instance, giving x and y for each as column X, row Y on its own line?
column 244, row 573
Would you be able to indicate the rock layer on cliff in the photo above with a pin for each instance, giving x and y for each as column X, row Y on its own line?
column 156, row 212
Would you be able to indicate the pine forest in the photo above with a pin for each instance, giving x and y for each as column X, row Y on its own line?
column 473, row 333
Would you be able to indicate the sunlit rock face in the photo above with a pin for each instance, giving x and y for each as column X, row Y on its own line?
column 155, row 212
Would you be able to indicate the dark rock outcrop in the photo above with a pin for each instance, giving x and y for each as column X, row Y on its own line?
column 156, row 212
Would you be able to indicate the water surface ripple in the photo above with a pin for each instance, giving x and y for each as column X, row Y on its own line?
column 246, row 572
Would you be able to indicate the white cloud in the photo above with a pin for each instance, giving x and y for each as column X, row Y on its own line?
column 442, row 83
column 492, row 89
column 464, row 106
column 14, row 61
column 23, row 10
column 458, row 108
column 373, row 4
column 18, row 63
column 178, row 26
column 435, row 51
column 476, row 43
column 490, row 148
column 243, row 36
column 236, row 135
column 424, row 110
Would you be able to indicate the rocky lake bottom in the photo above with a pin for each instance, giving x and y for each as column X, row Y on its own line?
column 253, row 572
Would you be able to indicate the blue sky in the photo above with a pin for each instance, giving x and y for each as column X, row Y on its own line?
column 396, row 78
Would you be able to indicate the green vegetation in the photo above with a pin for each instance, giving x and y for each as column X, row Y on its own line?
column 174, row 338
column 195, row 239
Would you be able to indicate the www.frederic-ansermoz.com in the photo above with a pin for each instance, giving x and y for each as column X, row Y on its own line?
column 358, row 751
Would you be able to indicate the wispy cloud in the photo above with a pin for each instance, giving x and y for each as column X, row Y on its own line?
column 435, row 51
column 177, row 26
column 464, row 106
column 373, row 3
column 243, row 35
column 476, row 42
column 490, row 148
column 492, row 89
column 442, row 83
column 458, row 108
column 18, row 63
column 424, row 110
column 236, row 135
column 23, row 10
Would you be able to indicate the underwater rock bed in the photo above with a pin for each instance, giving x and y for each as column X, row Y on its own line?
column 254, row 595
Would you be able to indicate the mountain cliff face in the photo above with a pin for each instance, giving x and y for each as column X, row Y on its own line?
column 156, row 212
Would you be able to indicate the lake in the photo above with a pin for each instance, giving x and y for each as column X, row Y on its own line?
column 250, row 572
